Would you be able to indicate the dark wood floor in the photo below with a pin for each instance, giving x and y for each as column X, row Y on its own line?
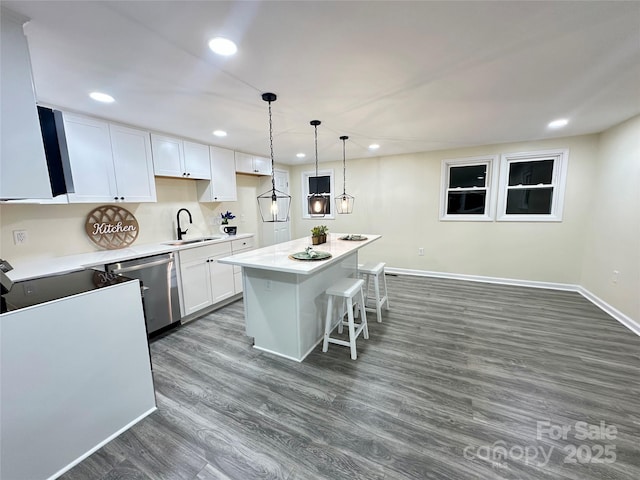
column 456, row 371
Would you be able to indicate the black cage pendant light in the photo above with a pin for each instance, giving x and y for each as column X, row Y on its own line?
column 273, row 204
column 344, row 202
column 318, row 202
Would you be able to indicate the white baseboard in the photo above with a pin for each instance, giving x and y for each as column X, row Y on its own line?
column 604, row 306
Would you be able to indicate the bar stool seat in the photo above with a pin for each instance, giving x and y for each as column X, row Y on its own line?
column 375, row 270
column 347, row 289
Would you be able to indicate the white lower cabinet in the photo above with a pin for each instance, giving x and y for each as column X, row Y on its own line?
column 240, row 245
column 205, row 281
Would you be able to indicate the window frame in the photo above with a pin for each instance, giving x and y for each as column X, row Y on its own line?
column 304, row 183
column 560, row 159
column 490, row 181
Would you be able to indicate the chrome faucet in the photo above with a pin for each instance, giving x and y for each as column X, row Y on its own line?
column 180, row 231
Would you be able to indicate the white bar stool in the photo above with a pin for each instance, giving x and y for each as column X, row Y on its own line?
column 347, row 289
column 375, row 270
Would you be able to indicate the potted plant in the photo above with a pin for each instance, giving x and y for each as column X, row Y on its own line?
column 224, row 225
column 319, row 234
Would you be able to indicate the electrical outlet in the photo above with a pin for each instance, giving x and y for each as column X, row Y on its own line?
column 614, row 277
column 421, row 252
column 20, row 237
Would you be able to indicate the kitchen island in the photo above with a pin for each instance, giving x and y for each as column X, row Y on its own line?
column 284, row 300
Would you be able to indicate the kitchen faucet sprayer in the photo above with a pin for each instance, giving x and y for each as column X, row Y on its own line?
column 180, row 231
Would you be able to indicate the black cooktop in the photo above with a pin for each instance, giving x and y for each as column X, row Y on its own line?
column 27, row 293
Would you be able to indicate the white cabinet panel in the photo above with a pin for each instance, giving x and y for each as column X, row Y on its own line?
column 222, row 187
column 262, row 165
column 133, row 164
column 90, row 157
column 168, row 156
column 108, row 162
column 222, row 283
column 204, row 281
column 196, row 286
column 196, row 160
column 252, row 164
column 174, row 157
column 22, row 159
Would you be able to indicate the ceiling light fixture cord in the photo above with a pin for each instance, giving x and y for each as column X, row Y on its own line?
column 344, row 165
column 273, row 179
column 315, row 124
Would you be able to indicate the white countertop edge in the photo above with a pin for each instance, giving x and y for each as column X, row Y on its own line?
column 29, row 269
column 276, row 257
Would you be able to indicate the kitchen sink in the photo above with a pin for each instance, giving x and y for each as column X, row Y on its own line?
column 177, row 243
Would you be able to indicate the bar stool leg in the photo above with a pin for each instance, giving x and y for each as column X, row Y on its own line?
column 352, row 330
column 376, row 287
column 386, row 294
column 363, row 317
column 327, row 324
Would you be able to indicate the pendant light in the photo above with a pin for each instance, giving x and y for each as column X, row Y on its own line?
column 344, row 202
column 273, row 204
column 318, row 203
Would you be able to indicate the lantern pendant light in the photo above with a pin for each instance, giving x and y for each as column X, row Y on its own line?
column 318, row 203
column 273, row 204
column 344, row 202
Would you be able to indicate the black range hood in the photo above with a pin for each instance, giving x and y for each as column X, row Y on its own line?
column 55, row 148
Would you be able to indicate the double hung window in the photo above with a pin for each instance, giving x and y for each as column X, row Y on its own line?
column 467, row 186
column 532, row 186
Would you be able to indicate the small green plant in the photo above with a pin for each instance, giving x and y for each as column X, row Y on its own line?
column 319, row 230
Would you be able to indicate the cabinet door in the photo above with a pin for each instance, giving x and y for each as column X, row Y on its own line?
column 223, row 175
column 22, row 160
column 168, row 156
column 244, row 162
column 89, row 146
column 262, row 165
column 196, row 286
column 196, row 160
column 222, row 281
column 133, row 164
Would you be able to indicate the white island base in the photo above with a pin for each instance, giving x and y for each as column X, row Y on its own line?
column 284, row 299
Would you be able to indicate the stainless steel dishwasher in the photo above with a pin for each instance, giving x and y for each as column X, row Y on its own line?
column 157, row 274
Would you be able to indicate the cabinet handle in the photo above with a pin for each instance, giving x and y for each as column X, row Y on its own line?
column 184, row 174
column 121, row 198
column 115, row 198
column 188, row 174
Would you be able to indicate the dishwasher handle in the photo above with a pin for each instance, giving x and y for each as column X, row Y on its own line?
column 140, row 266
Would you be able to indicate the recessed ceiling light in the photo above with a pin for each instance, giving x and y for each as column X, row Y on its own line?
column 220, row 133
column 559, row 123
column 102, row 97
column 222, row 46
column 300, row 155
column 374, row 146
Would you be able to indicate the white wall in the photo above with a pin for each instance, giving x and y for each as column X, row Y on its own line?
column 613, row 233
column 57, row 230
column 399, row 197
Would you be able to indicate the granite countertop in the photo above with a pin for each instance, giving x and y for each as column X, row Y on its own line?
column 28, row 269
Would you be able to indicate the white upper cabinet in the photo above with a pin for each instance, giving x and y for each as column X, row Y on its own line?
column 109, row 163
column 22, row 159
column 252, row 164
column 174, row 157
column 133, row 164
column 196, row 160
column 222, row 187
column 262, row 165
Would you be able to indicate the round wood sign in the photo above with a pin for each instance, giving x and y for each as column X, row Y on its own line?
column 111, row 227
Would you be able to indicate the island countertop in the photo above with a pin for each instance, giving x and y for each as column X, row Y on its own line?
column 276, row 257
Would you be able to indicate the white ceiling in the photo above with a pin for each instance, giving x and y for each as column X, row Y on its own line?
column 411, row 76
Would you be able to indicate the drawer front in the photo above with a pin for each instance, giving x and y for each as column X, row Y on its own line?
column 242, row 244
column 206, row 251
